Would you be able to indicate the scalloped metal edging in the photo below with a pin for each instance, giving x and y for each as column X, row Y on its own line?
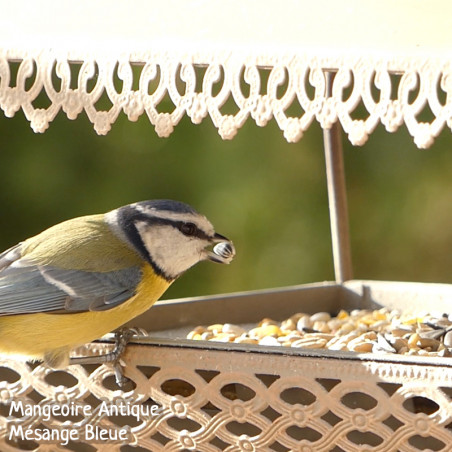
column 368, row 82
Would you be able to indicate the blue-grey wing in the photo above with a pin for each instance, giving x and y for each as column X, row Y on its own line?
column 27, row 288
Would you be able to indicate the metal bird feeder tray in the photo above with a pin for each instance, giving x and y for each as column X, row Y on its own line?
column 213, row 396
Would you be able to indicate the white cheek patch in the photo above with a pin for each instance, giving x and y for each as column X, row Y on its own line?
column 169, row 249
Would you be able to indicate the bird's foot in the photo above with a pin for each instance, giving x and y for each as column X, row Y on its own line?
column 122, row 338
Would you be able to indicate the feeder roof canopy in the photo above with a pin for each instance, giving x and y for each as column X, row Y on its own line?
column 375, row 48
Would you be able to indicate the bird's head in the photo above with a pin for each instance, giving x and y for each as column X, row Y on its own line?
column 170, row 235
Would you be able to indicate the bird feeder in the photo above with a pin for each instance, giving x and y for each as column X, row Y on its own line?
column 212, row 396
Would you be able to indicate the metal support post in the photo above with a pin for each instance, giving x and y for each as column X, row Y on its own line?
column 337, row 197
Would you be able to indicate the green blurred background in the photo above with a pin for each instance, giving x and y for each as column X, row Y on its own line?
column 268, row 196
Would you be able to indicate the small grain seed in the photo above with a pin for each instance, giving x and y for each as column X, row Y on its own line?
column 413, row 340
column 233, row 329
column 292, row 337
column 367, row 319
column 448, row 339
column 431, row 334
column 269, row 340
column 346, row 328
column 309, row 343
column 255, row 332
column 193, row 335
column 433, row 344
column 349, row 337
column 401, row 331
column 272, row 330
column 398, row 343
column 369, row 336
column 362, row 327
column 308, row 331
column 304, row 322
column 335, row 324
column 410, row 320
column 327, row 336
column 207, row 335
column 200, row 329
column 320, row 317
column 383, row 346
column 379, row 325
column 262, row 331
column 321, row 326
column 288, row 325
column 442, row 323
column 335, row 340
column 223, row 337
column 381, row 314
column 296, row 317
column 359, row 312
column 245, row 340
column 337, row 346
column 216, row 328
column 361, row 347
column 342, row 314
column 266, row 322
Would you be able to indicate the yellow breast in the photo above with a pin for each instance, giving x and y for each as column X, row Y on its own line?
column 37, row 335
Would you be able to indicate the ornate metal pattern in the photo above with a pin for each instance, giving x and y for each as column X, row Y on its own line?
column 212, row 400
column 292, row 90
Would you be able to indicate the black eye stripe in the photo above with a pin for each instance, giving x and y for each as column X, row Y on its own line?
column 129, row 216
column 189, row 229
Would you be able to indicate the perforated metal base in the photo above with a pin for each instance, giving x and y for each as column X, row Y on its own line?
column 214, row 396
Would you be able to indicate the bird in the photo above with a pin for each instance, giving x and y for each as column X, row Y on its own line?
column 87, row 276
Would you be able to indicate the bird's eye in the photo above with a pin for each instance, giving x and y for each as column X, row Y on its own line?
column 188, row 229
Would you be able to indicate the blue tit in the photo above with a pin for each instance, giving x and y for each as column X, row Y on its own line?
column 85, row 277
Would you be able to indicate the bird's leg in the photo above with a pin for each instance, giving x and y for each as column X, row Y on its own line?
column 122, row 338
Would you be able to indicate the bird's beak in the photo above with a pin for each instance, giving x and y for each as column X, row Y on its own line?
column 223, row 252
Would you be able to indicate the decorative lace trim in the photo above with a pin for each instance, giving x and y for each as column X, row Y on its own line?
column 244, row 401
column 230, row 88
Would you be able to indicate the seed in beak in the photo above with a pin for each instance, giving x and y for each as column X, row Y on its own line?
column 225, row 250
